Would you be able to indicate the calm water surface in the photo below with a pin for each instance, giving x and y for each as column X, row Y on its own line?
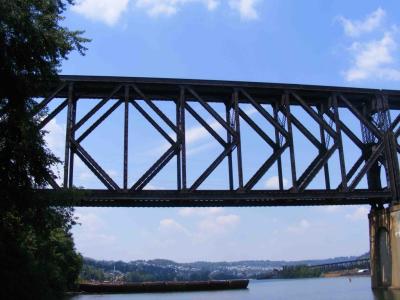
column 297, row 289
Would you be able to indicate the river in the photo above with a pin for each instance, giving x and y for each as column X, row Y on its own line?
column 339, row 288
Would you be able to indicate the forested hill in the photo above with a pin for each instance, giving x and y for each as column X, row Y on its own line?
column 164, row 270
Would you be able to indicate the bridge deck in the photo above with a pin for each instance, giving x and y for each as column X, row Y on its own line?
column 215, row 198
column 96, row 87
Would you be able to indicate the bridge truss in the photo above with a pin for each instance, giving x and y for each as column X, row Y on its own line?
column 372, row 109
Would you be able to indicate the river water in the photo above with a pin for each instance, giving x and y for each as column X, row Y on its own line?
column 339, row 288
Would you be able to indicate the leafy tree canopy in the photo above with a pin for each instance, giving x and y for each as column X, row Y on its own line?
column 38, row 259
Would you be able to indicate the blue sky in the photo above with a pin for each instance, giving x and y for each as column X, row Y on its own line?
column 312, row 42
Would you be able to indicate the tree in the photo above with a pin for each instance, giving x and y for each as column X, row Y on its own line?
column 38, row 259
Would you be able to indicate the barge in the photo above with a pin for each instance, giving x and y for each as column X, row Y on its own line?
column 163, row 286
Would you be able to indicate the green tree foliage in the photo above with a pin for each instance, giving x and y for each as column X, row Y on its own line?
column 299, row 271
column 38, row 259
column 91, row 273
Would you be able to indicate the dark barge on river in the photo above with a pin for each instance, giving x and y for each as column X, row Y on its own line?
column 163, row 286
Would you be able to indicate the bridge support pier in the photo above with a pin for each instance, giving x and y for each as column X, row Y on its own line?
column 384, row 229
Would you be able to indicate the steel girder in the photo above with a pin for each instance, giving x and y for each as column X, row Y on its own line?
column 378, row 144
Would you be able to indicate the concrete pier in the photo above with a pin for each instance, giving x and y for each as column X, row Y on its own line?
column 384, row 227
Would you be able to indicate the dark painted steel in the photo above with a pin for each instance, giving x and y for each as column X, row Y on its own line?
column 68, row 134
column 55, row 112
column 369, row 106
column 99, row 121
column 290, row 140
column 182, row 102
column 48, row 99
column 72, row 137
column 324, row 145
column 228, row 108
column 238, row 139
column 126, row 136
column 340, row 142
column 277, row 141
column 96, row 108
column 218, row 198
column 205, row 125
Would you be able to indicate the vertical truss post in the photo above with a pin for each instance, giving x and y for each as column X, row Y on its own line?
column 370, row 140
column 290, row 140
column 238, row 141
column 324, row 148
column 339, row 141
column 182, row 137
column 228, row 107
column 71, row 155
column 126, row 135
column 384, row 123
column 390, row 166
column 179, row 150
column 395, row 178
column 278, row 142
column 68, row 133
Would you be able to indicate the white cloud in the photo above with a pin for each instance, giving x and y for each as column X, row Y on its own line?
column 272, row 183
column 90, row 221
column 355, row 28
column 86, row 176
column 245, row 8
column 112, row 173
column 330, row 208
column 156, row 8
column 107, row 11
column 91, row 231
column 200, row 148
column 94, row 239
column 55, row 140
column 212, row 4
column 196, row 134
column 192, row 136
column 218, row 225
column 300, row 227
column 371, row 58
column 170, row 226
column 360, row 213
column 55, row 137
column 374, row 59
column 199, row 211
column 210, row 225
column 228, row 220
column 153, row 187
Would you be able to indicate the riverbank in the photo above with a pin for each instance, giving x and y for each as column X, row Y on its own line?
column 346, row 273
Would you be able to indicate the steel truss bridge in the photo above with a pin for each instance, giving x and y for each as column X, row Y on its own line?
column 343, row 265
column 373, row 109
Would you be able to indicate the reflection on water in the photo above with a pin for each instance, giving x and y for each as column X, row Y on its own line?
column 340, row 288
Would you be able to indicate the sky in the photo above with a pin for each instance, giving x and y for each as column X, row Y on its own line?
column 344, row 43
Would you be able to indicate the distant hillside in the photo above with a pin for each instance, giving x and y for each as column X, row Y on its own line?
column 168, row 270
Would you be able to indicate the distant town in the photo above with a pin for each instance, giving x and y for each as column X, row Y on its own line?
column 168, row 270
